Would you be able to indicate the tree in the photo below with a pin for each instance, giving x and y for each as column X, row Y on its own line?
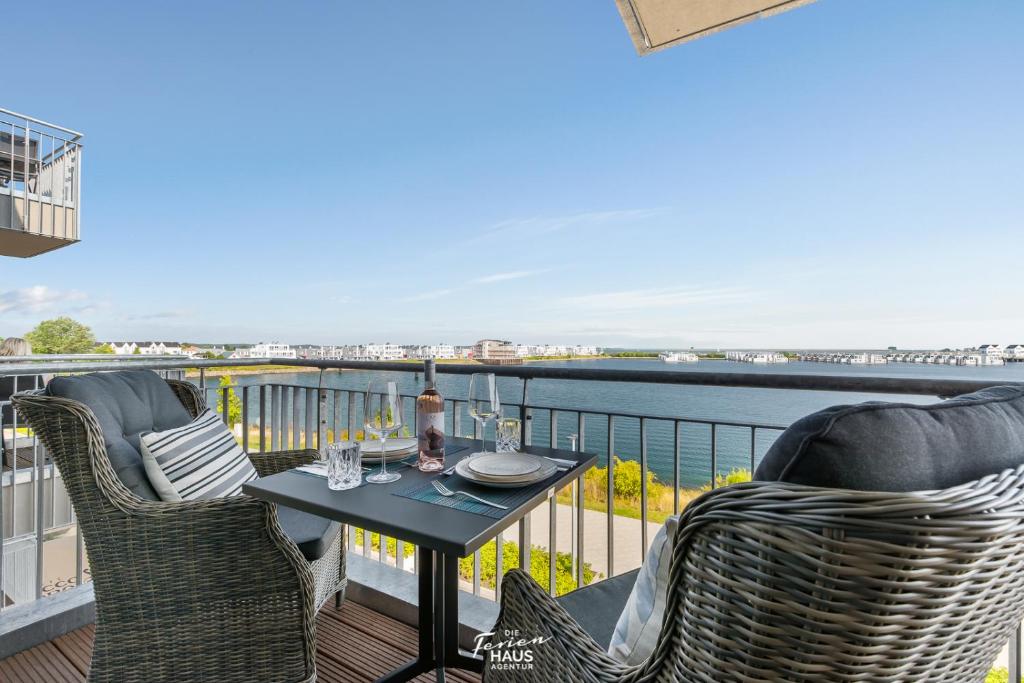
column 61, row 335
column 103, row 348
column 234, row 403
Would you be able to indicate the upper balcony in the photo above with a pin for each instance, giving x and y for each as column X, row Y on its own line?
column 40, row 185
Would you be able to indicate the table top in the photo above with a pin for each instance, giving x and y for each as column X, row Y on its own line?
column 373, row 507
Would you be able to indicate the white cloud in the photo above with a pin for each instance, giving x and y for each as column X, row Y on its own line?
column 427, row 296
column 39, row 299
column 542, row 225
column 502, row 277
column 665, row 297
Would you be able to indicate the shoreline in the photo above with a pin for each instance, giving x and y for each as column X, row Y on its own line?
column 237, row 370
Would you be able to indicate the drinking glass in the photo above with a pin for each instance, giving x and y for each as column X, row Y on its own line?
column 483, row 402
column 507, row 436
column 344, row 466
column 382, row 417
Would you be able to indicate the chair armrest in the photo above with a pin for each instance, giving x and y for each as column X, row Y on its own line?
column 568, row 653
column 279, row 461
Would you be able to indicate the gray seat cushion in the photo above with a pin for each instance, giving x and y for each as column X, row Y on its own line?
column 126, row 404
column 902, row 447
column 597, row 607
column 312, row 534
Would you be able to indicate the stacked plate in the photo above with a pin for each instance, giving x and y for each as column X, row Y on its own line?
column 395, row 449
column 505, row 470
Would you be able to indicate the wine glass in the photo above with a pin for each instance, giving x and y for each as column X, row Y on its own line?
column 382, row 417
column 483, row 402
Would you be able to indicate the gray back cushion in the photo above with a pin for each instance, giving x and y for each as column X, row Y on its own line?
column 902, row 447
column 126, row 404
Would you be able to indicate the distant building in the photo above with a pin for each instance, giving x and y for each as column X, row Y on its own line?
column 148, row 348
column 266, row 350
column 437, row 351
column 386, row 351
column 756, row 356
column 494, row 350
column 991, row 354
column 1014, row 352
column 553, row 350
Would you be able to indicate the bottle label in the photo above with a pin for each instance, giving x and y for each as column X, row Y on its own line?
column 430, row 434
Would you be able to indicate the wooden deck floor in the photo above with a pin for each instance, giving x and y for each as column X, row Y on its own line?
column 354, row 644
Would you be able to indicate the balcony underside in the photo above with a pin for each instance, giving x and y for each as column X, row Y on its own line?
column 353, row 644
column 24, row 244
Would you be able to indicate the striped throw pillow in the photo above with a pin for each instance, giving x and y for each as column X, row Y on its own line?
column 196, row 461
column 636, row 633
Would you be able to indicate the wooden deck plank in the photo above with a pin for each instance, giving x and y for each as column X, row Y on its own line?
column 354, row 645
column 41, row 664
column 77, row 647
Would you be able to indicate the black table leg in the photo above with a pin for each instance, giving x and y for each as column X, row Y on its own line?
column 438, row 621
column 425, row 660
column 454, row 656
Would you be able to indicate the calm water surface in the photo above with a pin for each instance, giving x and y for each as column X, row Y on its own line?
column 758, row 406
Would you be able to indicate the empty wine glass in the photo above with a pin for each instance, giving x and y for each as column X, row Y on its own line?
column 483, row 402
column 382, row 417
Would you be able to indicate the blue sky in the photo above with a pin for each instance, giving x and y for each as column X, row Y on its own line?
column 848, row 174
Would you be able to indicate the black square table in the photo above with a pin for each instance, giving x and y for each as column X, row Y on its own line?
column 442, row 536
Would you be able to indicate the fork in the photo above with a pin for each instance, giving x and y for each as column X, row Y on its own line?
column 448, row 493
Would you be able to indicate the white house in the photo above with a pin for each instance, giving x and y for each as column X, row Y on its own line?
column 386, row 351
column 1014, row 352
column 991, row 354
column 438, row 351
column 148, row 348
column 123, row 348
column 266, row 350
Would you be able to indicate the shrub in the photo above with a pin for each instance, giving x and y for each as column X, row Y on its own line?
column 564, row 579
column 375, row 544
column 735, row 476
column 234, row 403
column 999, row 675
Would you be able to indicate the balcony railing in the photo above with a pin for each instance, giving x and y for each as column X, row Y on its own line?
column 293, row 414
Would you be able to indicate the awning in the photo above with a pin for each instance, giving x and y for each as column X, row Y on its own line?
column 657, row 24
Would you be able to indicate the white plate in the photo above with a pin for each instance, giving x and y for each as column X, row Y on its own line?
column 504, row 465
column 394, row 448
column 463, row 470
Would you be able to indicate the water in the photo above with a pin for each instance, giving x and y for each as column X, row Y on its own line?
column 761, row 406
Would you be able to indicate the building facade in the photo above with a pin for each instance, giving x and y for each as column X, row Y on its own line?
column 494, row 350
column 147, row 348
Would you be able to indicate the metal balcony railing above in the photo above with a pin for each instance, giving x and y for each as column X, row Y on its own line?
column 40, row 185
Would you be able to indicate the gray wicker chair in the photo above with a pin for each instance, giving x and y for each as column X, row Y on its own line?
column 779, row 582
column 208, row 590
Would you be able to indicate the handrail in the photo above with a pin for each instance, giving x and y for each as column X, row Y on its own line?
column 42, row 123
column 86, row 356
column 837, row 383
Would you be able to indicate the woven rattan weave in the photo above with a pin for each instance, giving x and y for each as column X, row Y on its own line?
column 207, row 590
column 775, row 582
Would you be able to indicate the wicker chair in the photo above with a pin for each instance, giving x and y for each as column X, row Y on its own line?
column 779, row 582
column 207, row 590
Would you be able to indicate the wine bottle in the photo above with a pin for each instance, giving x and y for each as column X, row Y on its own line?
column 430, row 423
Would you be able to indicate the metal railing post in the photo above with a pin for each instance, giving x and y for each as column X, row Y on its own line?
column 1016, row 670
